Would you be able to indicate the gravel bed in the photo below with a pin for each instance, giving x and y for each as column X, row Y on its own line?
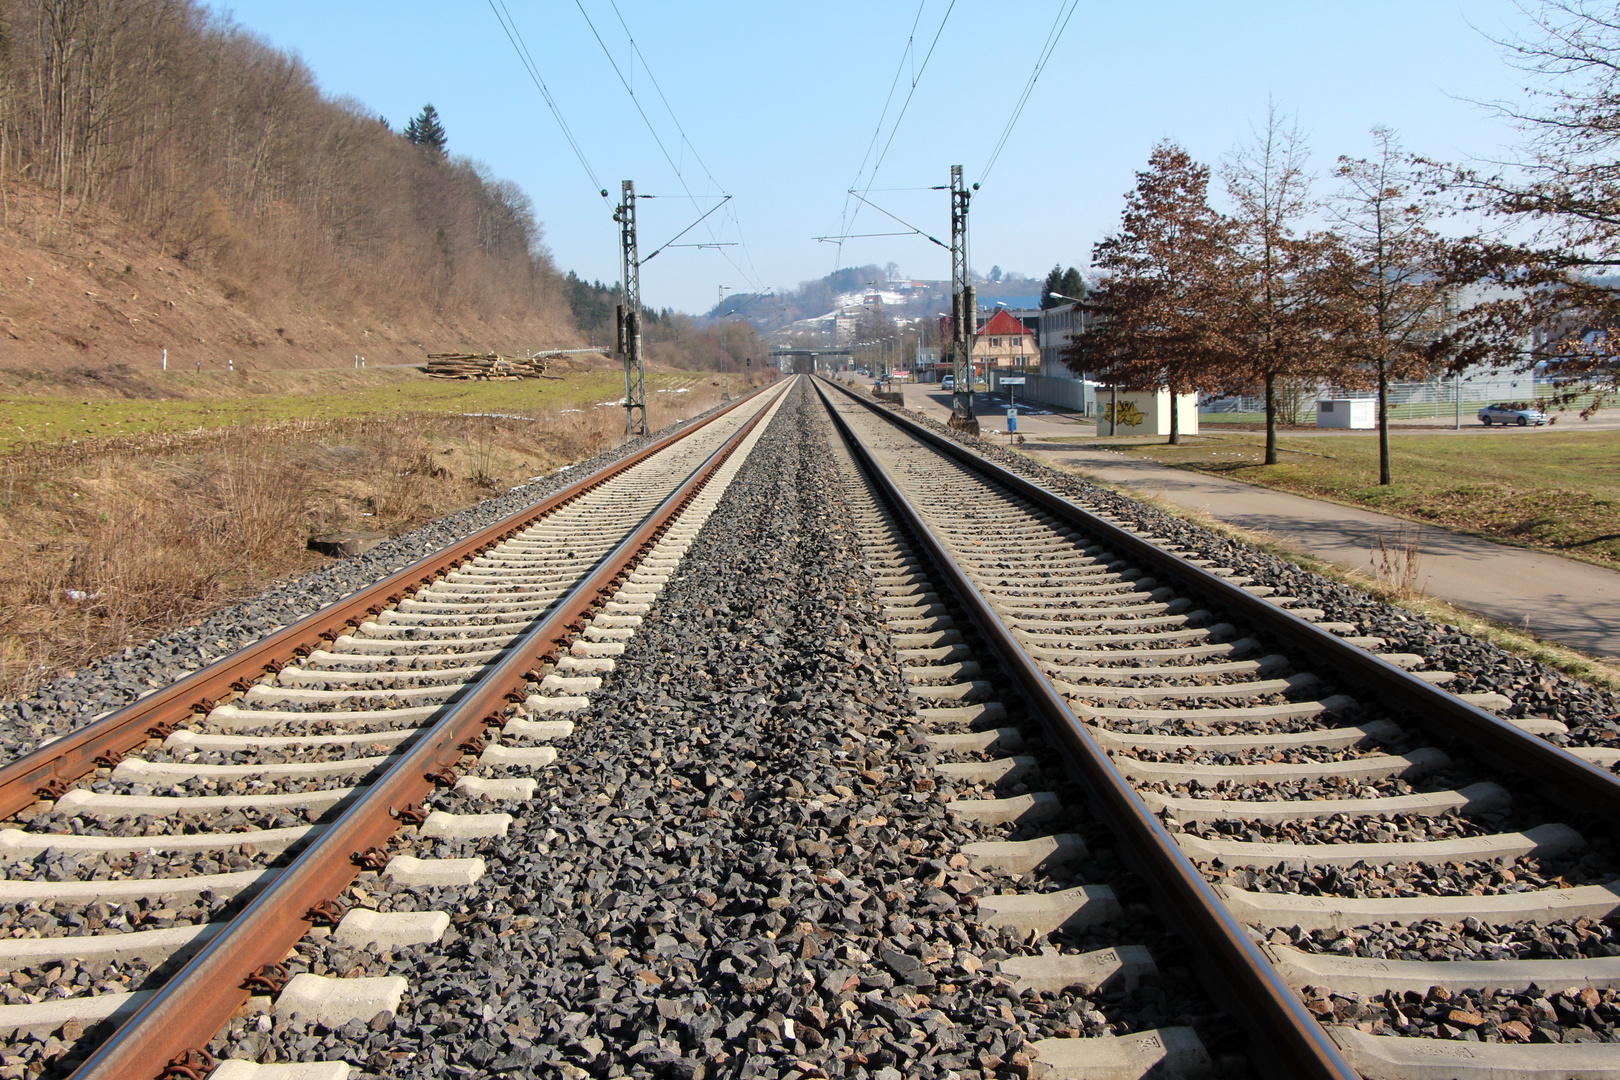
column 30, row 984
column 182, row 824
column 1470, row 939
column 1219, row 727
column 1593, row 715
column 115, row 681
column 56, row 865
column 741, row 865
column 1395, row 879
column 1343, row 829
column 1314, row 755
column 269, row 755
column 1192, row 680
column 63, row 919
column 202, row 786
column 1327, row 787
column 1573, row 1015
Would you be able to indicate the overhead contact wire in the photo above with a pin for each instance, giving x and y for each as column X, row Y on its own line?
column 1053, row 36
column 509, row 26
column 904, row 106
column 647, row 120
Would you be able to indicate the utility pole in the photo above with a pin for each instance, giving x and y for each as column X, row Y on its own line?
column 963, row 309
column 635, row 371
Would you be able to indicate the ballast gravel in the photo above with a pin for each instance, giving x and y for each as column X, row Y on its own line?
column 1571, row 1015
column 742, row 864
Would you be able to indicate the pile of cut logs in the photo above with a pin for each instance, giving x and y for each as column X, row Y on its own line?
column 484, row 366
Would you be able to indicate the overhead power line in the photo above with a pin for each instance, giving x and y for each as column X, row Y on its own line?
column 653, row 131
column 504, row 17
column 847, row 221
column 1053, row 36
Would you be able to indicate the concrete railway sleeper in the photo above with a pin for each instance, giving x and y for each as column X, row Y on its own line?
column 1328, row 820
column 153, row 864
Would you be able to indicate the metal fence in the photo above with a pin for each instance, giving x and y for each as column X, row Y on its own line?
column 1050, row 390
column 1408, row 399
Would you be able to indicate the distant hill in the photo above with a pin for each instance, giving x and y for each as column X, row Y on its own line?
column 903, row 298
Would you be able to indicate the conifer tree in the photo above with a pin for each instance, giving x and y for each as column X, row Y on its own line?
column 1073, row 284
column 424, row 129
column 1064, row 283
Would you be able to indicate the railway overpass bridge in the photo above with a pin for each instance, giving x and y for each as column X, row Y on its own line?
column 808, row 361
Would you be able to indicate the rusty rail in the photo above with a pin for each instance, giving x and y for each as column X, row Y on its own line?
column 49, row 770
column 194, row 1005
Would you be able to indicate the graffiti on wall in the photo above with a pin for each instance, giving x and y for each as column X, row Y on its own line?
column 1129, row 415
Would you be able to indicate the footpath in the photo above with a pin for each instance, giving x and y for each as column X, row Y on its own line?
column 1557, row 599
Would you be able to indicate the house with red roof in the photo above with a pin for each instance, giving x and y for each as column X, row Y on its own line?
column 1004, row 342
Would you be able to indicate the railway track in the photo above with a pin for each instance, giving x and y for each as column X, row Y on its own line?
column 808, row 744
column 210, row 828
column 1315, row 817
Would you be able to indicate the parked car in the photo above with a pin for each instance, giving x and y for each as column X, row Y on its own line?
column 1511, row 412
column 948, row 383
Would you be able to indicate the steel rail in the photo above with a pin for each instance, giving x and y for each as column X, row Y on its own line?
column 1574, row 783
column 1285, row 1040
column 48, row 770
column 194, row 1005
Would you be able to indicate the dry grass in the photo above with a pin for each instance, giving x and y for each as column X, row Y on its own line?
column 99, row 550
column 1396, row 561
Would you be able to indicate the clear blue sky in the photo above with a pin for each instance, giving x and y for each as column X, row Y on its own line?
column 780, row 101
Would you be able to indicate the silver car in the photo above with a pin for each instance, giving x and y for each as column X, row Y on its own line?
column 1511, row 412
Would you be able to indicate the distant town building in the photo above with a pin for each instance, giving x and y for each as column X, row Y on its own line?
column 1005, row 342
column 1059, row 327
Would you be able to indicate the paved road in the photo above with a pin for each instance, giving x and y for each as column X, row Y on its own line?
column 1558, row 599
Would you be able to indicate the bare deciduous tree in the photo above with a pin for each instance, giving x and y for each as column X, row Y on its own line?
column 1564, row 189
column 226, row 151
column 1269, row 273
column 1385, row 285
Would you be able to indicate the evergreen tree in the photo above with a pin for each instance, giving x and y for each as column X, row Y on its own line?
column 424, row 129
column 1052, row 284
column 1063, row 282
column 1073, row 284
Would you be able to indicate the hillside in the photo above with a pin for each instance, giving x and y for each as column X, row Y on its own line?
column 94, row 290
column 169, row 181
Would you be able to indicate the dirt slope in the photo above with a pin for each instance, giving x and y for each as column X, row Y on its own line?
column 89, row 288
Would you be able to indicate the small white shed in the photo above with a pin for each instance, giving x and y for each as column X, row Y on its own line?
column 1347, row 413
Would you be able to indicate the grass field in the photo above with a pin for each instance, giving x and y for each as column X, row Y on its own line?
column 122, row 517
column 1558, row 491
column 51, row 413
